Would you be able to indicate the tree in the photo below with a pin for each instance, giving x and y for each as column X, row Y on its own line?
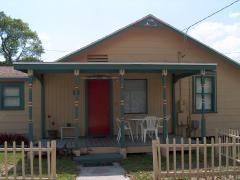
column 18, row 42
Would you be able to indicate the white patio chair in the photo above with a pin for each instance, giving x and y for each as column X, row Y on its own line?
column 127, row 127
column 150, row 125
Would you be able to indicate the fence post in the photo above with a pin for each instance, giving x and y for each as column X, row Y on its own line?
column 53, row 159
column 155, row 159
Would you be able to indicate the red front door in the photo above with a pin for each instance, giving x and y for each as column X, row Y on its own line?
column 98, row 107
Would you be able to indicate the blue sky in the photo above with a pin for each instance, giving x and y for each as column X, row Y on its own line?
column 67, row 25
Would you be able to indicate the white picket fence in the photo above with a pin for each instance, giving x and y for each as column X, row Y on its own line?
column 229, row 136
column 195, row 159
column 21, row 162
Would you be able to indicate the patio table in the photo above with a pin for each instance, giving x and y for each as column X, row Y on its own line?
column 138, row 122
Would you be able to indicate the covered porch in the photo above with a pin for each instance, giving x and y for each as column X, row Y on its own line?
column 167, row 74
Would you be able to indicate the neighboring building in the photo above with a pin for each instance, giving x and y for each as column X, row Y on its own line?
column 147, row 67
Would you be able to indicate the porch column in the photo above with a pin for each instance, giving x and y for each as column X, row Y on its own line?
column 164, row 85
column 76, row 106
column 30, row 123
column 203, row 121
column 174, row 120
column 122, row 140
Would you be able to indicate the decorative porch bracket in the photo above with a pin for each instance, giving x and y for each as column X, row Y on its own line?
column 203, row 121
column 122, row 139
column 164, row 85
column 30, row 123
column 76, row 107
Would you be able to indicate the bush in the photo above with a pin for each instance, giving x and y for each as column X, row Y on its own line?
column 10, row 138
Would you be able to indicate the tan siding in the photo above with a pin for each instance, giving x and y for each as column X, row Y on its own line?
column 16, row 121
column 162, row 45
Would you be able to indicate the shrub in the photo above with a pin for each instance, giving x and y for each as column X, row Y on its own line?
column 10, row 138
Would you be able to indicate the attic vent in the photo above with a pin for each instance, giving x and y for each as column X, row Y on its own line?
column 97, row 57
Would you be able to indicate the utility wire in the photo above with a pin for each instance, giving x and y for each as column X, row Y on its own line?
column 210, row 15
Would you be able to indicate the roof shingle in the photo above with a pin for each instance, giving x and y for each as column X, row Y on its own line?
column 10, row 72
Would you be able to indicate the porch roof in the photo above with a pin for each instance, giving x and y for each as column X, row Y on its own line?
column 178, row 68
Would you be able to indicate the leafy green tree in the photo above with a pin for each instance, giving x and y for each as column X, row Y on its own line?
column 18, row 42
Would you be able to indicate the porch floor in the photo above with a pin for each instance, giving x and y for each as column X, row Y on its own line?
column 109, row 141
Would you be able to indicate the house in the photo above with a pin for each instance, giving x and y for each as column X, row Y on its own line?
column 145, row 68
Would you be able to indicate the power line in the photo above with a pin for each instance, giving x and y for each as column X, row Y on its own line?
column 210, row 15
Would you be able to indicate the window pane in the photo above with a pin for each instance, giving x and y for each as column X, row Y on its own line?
column 11, row 91
column 208, row 102
column 11, row 102
column 208, row 85
column 198, row 102
column 135, row 96
column 198, row 85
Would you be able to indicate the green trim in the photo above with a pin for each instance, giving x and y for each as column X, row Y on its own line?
column 30, row 123
column 111, row 102
column 21, row 95
column 213, row 95
column 164, row 95
column 159, row 24
column 114, row 67
column 174, row 120
column 43, row 128
column 122, row 139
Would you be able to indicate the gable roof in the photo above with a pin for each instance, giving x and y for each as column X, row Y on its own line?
column 154, row 22
column 8, row 72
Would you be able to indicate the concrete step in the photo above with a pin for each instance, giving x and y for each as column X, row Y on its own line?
column 98, row 158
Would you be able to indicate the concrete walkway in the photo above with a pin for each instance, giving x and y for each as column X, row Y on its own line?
column 110, row 172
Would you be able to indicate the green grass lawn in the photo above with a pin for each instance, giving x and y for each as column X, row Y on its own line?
column 66, row 168
column 138, row 166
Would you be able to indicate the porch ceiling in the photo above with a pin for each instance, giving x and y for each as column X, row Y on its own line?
column 177, row 68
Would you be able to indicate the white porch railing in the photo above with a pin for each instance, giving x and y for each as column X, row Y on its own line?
column 26, row 162
column 194, row 160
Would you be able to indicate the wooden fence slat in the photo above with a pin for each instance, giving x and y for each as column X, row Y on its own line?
column 197, row 153
column 9, row 169
column 53, row 159
column 5, row 160
column 190, row 156
column 205, row 153
column 182, row 155
column 31, row 159
column 159, row 156
column 48, row 160
column 40, row 159
column 212, row 157
column 155, row 163
column 167, row 154
column 14, row 160
column 23, row 160
column 174, row 156
column 223, row 146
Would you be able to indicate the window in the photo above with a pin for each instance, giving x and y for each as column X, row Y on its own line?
column 12, row 96
column 209, row 94
column 135, row 96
